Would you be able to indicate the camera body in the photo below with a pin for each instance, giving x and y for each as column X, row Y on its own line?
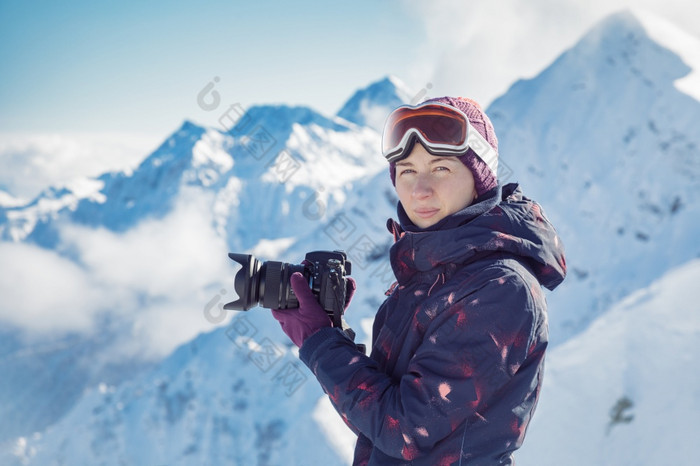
column 327, row 271
column 267, row 284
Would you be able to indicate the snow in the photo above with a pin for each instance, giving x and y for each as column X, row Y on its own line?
column 685, row 45
column 268, row 248
column 370, row 106
column 213, row 401
column 209, row 159
column 123, row 268
column 623, row 183
column 642, row 350
column 87, row 188
column 208, row 150
column 8, row 200
column 335, row 432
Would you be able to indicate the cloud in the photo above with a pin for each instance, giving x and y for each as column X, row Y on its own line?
column 158, row 257
column 44, row 292
column 479, row 48
column 32, row 162
column 157, row 278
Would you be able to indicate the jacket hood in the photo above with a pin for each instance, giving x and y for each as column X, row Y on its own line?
column 516, row 225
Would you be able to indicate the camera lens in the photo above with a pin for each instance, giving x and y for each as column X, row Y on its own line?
column 245, row 283
column 265, row 284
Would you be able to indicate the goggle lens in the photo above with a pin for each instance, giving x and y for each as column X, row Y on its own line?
column 437, row 125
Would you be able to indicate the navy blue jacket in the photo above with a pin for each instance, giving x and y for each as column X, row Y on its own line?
column 458, row 346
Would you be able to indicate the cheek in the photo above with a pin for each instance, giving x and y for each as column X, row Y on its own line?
column 459, row 195
column 403, row 191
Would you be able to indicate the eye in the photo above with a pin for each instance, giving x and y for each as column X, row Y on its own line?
column 406, row 171
column 441, row 169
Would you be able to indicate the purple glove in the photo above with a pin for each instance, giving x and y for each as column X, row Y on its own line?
column 301, row 323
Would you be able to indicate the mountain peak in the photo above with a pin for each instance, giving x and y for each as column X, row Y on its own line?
column 636, row 36
column 370, row 106
column 680, row 42
column 630, row 56
column 188, row 125
column 610, row 124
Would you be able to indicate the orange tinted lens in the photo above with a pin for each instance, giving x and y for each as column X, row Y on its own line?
column 437, row 125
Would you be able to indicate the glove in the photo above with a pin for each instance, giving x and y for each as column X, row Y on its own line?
column 350, row 288
column 301, row 323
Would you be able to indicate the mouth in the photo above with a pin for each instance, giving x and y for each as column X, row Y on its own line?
column 426, row 212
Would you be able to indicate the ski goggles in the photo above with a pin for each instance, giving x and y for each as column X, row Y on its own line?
column 442, row 129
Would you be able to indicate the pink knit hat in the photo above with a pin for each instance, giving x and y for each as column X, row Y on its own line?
column 484, row 178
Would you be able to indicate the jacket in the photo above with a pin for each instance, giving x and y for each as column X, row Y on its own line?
column 458, row 346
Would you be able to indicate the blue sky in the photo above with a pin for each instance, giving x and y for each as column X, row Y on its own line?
column 137, row 67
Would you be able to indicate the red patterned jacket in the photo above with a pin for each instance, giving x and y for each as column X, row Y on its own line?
column 458, row 347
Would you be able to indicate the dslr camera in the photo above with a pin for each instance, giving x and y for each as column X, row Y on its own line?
column 267, row 284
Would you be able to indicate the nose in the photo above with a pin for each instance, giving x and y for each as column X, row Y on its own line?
column 423, row 187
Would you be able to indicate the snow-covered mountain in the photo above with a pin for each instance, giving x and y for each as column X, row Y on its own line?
column 370, row 106
column 625, row 391
column 619, row 393
column 603, row 139
column 232, row 396
column 282, row 155
column 146, row 249
column 608, row 143
column 42, row 379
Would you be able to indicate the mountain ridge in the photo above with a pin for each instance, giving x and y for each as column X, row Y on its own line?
column 369, row 106
column 262, row 179
column 620, row 371
column 625, row 180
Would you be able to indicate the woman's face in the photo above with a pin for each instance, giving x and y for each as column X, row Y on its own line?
column 432, row 187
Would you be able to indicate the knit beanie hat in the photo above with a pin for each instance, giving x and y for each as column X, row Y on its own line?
column 484, row 178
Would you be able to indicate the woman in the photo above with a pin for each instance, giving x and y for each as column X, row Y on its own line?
column 458, row 346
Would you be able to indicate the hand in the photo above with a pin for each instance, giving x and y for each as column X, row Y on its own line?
column 302, row 322
column 350, row 288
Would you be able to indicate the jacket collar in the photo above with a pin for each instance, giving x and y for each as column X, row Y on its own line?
column 502, row 221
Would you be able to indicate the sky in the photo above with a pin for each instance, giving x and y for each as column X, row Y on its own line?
column 91, row 86
column 138, row 66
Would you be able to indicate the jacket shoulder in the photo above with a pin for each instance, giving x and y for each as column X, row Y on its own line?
column 504, row 267
column 503, row 288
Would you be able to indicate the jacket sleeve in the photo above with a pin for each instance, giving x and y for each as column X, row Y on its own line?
column 469, row 351
column 378, row 322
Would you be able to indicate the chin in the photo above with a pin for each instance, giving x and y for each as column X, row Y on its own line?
column 422, row 223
